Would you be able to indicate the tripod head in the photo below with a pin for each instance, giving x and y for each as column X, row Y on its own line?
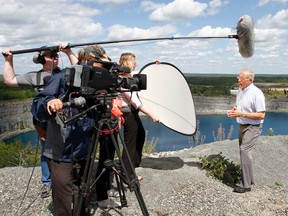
column 101, row 107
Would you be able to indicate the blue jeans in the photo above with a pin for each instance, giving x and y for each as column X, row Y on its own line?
column 46, row 178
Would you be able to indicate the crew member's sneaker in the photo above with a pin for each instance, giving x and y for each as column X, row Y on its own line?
column 109, row 203
column 113, row 193
column 45, row 191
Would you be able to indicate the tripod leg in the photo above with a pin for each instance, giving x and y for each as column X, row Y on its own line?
column 135, row 183
column 88, row 170
column 120, row 186
column 110, row 166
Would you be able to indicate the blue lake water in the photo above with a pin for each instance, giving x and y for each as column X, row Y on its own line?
column 168, row 140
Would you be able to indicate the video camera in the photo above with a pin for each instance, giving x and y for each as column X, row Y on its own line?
column 90, row 79
column 95, row 87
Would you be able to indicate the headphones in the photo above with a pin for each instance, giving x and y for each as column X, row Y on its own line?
column 41, row 58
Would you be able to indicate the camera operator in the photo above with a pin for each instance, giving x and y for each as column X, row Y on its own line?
column 67, row 145
column 37, row 80
column 107, row 150
column 134, row 133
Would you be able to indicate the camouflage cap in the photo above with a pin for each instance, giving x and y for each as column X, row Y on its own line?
column 97, row 52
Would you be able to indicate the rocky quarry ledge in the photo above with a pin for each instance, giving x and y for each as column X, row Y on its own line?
column 174, row 184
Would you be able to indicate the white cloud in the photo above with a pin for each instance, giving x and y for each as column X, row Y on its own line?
column 108, row 2
column 215, row 6
column 31, row 23
column 271, row 36
column 150, row 5
column 35, row 22
column 264, row 35
column 278, row 21
column 268, row 56
column 182, row 9
column 121, row 32
column 263, row 2
column 178, row 10
column 270, row 45
column 208, row 31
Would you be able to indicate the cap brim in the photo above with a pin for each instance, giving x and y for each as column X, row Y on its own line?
column 105, row 58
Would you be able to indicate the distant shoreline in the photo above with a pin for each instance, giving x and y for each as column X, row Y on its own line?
column 9, row 134
column 203, row 106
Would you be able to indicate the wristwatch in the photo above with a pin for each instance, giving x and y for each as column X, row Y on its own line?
column 244, row 114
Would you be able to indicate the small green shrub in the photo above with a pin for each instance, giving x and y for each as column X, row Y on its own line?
column 16, row 154
column 270, row 132
column 220, row 168
column 150, row 145
column 279, row 184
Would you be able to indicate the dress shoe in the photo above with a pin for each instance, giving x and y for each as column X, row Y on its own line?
column 241, row 190
column 240, row 184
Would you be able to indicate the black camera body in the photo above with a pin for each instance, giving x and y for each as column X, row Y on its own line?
column 90, row 79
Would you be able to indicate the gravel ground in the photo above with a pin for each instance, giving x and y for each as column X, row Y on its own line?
column 174, row 184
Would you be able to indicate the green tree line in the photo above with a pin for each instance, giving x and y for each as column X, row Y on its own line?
column 221, row 84
column 12, row 93
column 200, row 85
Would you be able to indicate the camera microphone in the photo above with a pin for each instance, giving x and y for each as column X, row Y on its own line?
column 76, row 102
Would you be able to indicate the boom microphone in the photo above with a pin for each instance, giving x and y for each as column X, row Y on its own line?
column 245, row 33
column 245, row 37
column 76, row 102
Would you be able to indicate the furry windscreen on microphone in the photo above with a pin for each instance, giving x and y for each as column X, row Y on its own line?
column 245, row 33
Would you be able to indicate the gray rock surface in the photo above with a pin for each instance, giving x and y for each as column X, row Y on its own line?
column 174, row 184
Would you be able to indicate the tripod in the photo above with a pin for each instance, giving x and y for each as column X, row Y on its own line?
column 105, row 122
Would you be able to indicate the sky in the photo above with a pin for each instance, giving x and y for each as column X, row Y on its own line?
column 34, row 23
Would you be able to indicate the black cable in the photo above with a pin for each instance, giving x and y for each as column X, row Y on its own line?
column 27, row 188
